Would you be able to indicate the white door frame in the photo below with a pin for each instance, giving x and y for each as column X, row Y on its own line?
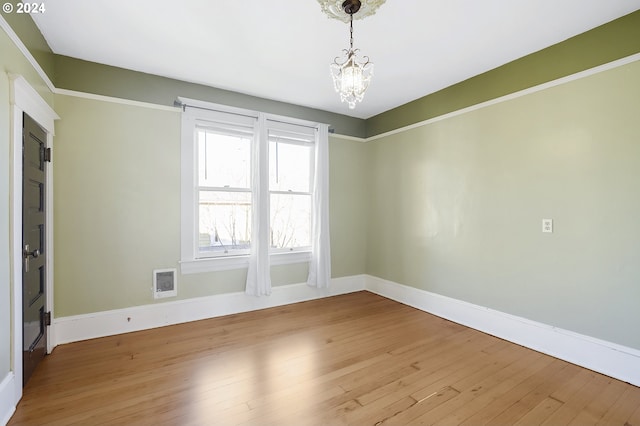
column 24, row 98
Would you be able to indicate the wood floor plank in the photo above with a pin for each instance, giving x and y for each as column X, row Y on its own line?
column 476, row 396
column 623, row 408
column 432, row 376
column 497, row 405
column 634, row 419
column 355, row 359
column 419, row 408
column 536, row 395
column 380, row 414
column 575, row 404
column 600, row 404
column 540, row 413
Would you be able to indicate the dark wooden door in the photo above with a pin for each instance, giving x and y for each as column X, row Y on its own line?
column 34, row 337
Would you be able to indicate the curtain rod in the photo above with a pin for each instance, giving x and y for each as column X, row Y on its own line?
column 184, row 106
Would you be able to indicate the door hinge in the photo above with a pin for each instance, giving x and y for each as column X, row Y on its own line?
column 47, row 155
column 47, row 318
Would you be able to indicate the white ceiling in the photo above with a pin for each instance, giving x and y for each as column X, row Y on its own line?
column 281, row 49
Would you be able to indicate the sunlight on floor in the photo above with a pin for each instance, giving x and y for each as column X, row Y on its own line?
column 236, row 386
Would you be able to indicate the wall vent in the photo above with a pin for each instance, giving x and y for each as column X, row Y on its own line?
column 165, row 283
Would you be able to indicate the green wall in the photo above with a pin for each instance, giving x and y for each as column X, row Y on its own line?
column 29, row 34
column 453, row 207
column 348, row 187
column 456, row 206
column 614, row 40
column 617, row 39
column 11, row 62
column 89, row 77
column 117, row 208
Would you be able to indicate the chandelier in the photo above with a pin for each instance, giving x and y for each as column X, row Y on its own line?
column 351, row 74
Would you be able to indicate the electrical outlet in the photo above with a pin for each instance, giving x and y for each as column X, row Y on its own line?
column 547, row 225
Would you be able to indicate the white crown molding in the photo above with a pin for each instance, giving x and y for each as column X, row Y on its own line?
column 346, row 137
column 367, row 4
column 112, row 99
column 567, row 79
column 28, row 56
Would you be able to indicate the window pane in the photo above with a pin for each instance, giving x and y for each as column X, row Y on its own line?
column 290, row 220
column 224, row 222
column 290, row 166
column 223, row 160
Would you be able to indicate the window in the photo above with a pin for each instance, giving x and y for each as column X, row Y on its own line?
column 225, row 152
column 224, row 189
column 291, row 166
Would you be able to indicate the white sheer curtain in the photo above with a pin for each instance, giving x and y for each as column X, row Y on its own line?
column 320, row 265
column 259, row 273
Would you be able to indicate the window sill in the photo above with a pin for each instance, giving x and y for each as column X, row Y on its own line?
column 213, row 264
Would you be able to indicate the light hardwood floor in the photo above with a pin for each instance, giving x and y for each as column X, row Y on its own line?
column 356, row 359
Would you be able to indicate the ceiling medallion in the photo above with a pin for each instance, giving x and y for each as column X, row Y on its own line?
column 334, row 9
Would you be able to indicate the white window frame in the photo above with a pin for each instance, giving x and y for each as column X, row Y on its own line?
column 286, row 127
column 205, row 119
column 190, row 263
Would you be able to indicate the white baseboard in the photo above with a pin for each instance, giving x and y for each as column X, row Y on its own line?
column 608, row 358
column 7, row 398
column 108, row 323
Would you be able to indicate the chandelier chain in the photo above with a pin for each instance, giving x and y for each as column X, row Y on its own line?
column 351, row 31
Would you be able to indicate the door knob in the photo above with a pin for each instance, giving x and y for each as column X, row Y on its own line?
column 33, row 254
column 27, row 254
